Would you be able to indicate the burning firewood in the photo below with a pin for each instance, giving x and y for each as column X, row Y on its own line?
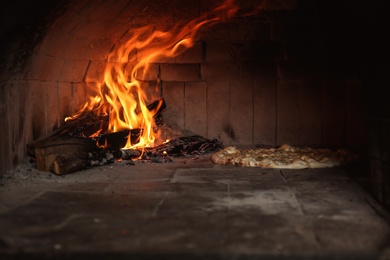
column 70, row 161
column 69, row 149
column 157, row 107
column 117, row 140
column 61, row 151
column 182, row 146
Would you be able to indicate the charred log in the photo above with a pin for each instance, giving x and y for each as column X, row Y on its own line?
column 85, row 126
column 88, row 123
column 117, row 140
column 184, row 146
column 157, row 107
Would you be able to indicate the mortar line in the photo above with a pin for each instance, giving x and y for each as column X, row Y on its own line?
column 228, row 190
column 159, row 204
column 301, row 211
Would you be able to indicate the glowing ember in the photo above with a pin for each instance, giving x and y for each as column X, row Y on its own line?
column 120, row 96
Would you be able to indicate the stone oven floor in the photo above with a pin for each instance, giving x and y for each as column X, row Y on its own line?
column 189, row 209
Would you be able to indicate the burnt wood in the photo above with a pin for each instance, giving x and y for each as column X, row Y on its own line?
column 184, row 146
column 86, row 125
column 157, row 107
column 117, row 140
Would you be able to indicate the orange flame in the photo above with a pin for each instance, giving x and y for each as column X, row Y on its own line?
column 121, row 96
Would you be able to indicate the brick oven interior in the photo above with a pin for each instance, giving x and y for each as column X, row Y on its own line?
column 306, row 73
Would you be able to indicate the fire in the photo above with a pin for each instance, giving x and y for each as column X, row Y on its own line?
column 120, row 96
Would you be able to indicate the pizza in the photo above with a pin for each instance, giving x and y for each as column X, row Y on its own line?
column 283, row 157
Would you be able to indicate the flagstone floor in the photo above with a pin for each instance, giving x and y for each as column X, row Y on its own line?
column 189, row 209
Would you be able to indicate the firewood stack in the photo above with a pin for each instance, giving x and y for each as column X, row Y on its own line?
column 69, row 148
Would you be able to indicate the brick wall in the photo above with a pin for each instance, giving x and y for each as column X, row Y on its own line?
column 292, row 73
